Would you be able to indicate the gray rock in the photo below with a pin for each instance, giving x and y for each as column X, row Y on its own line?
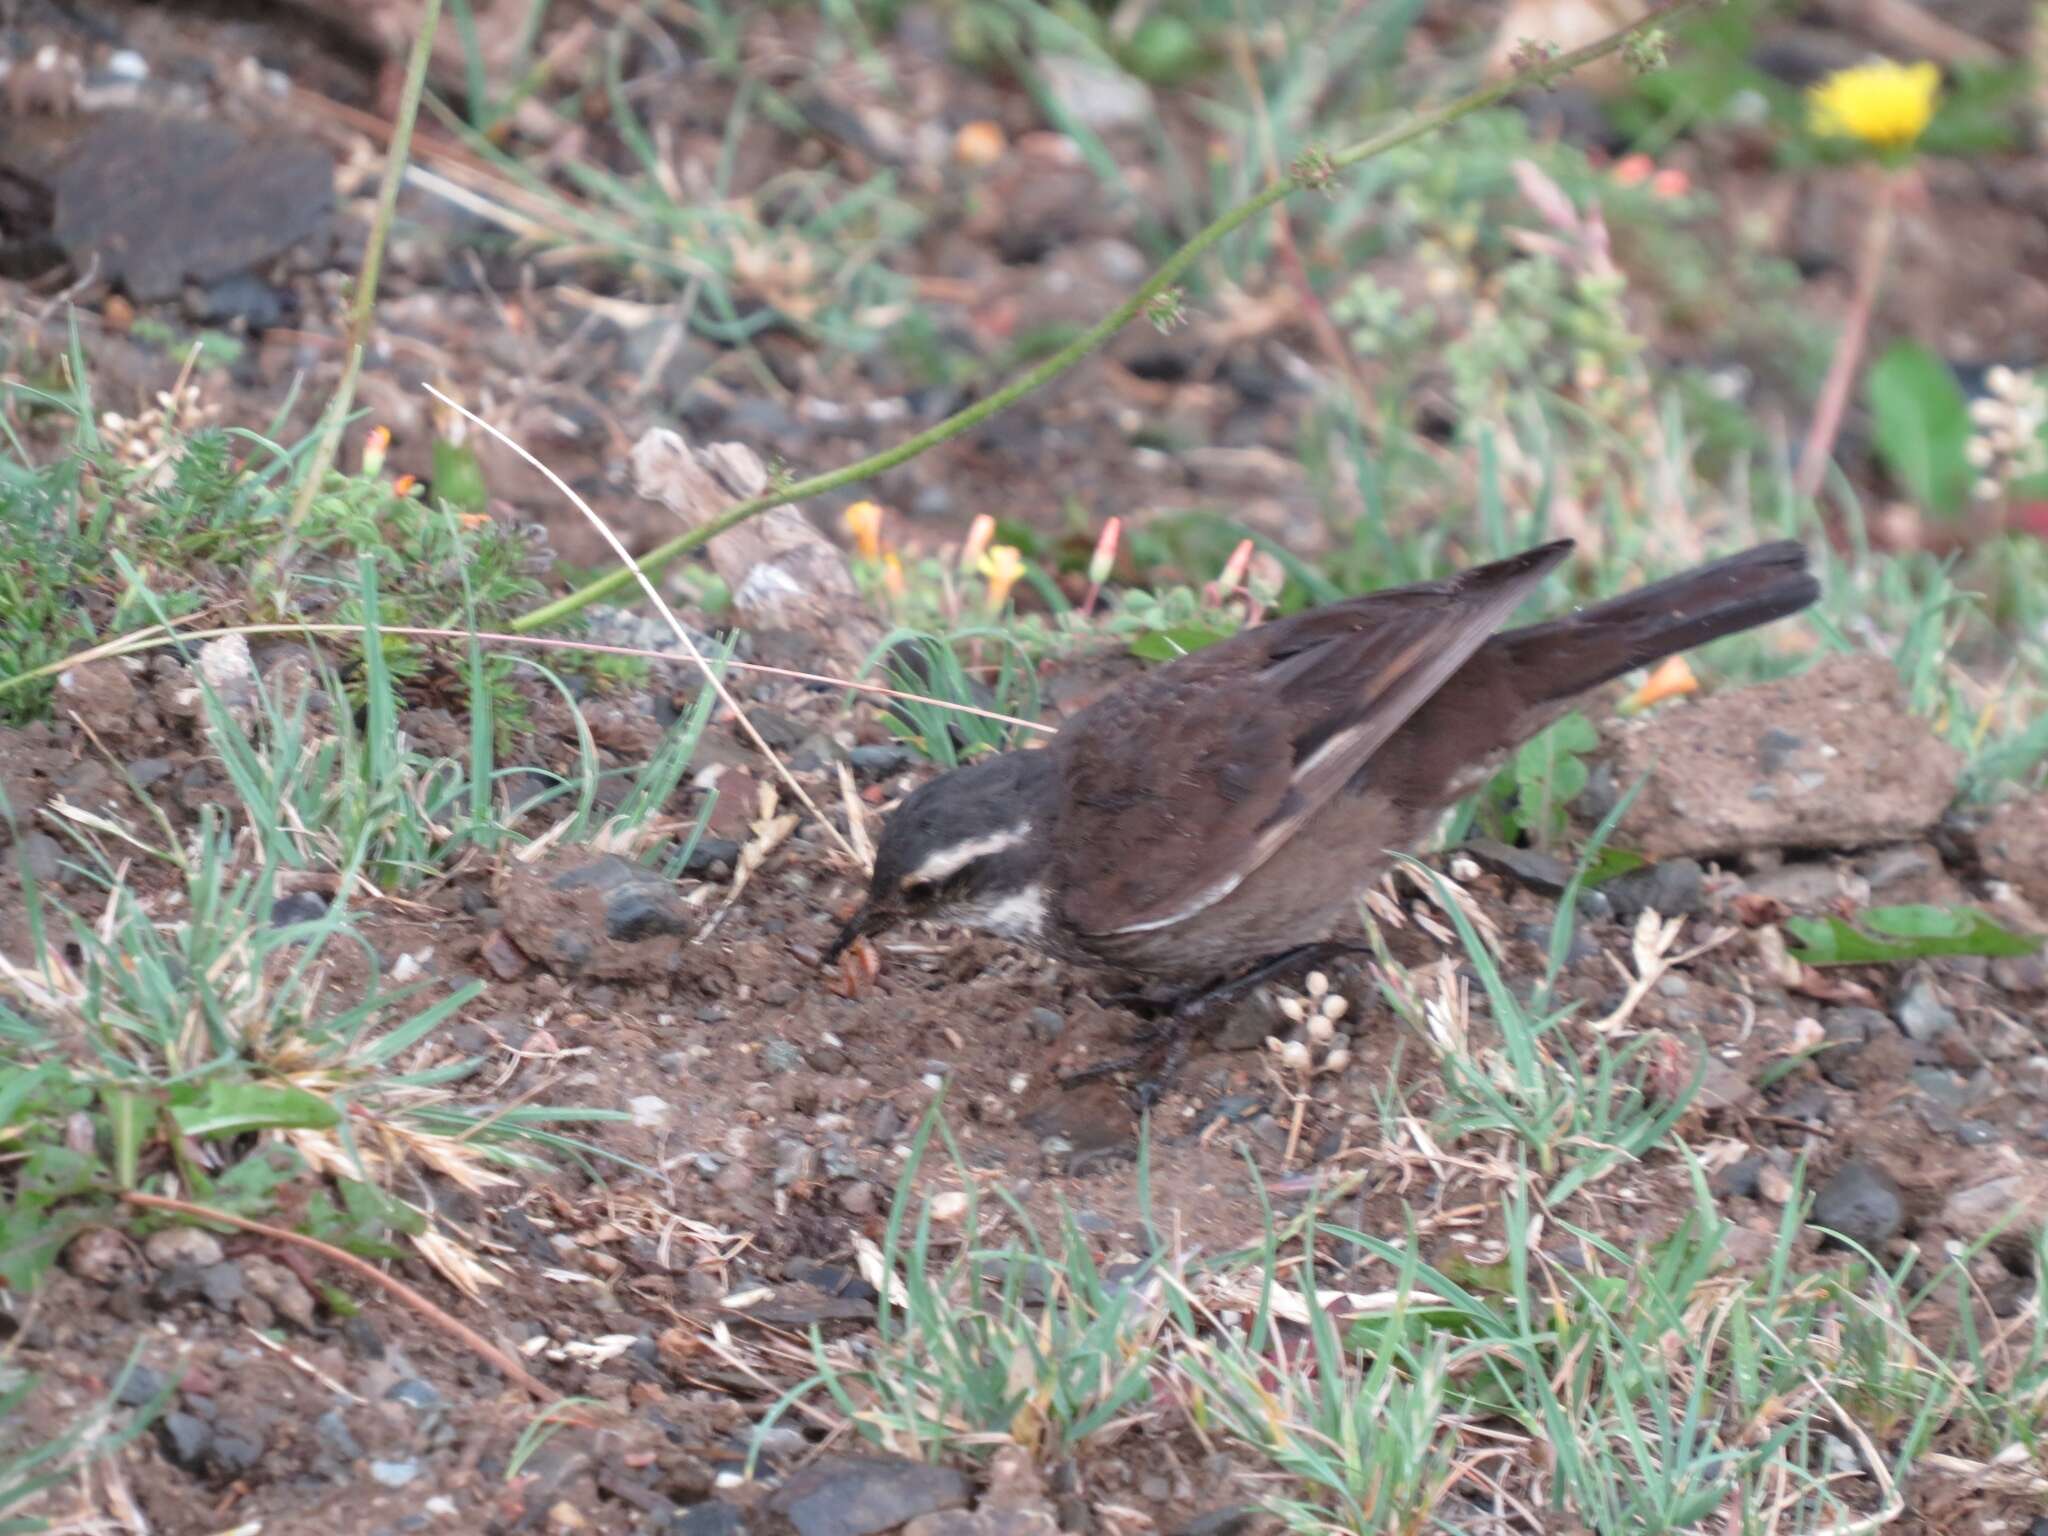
column 414, row 1393
column 712, row 1519
column 711, row 853
column 866, row 1495
column 1741, row 1179
column 1860, row 1203
column 1674, row 888
column 1529, row 867
column 1045, row 1024
column 638, row 904
column 236, row 1448
column 1921, row 1012
column 185, row 1439
column 222, row 1285
column 1946, row 1088
column 139, row 1386
column 42, row 858
column 880, row 762
column 781, row 1056
column 331, row 1430
column 299, row 907
column 394, row 1474
column 1849, row 1029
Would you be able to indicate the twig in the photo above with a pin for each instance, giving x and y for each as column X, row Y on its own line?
column 1834, row 392
column 364, row 308
column 1309, row 171
column 497, row 1358
column 635, row 569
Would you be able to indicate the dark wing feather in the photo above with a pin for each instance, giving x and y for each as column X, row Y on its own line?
column 1180, row 784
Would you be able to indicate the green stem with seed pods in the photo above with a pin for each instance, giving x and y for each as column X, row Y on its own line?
column 1158, row 296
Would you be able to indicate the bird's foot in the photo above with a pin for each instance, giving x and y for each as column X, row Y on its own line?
column 1166, row 1040
column 1207, row 1000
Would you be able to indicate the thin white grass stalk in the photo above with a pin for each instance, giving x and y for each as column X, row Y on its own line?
column 653, row 592
column 157, row 635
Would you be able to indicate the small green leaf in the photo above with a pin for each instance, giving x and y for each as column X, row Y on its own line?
column 1165, row 644
column 1923, row 426
column 1904, row 933
column 1612, row 863
column 1549, row 772
column 459, row 477
column 129, row 1116
column 229, row 1109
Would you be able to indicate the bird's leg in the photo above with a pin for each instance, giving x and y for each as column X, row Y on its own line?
column 1193, row 1005
column 1171, row 1037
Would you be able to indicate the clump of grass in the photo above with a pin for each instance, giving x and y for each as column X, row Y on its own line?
column 195, row 1038
column 1031, row 1343
column 939, row 672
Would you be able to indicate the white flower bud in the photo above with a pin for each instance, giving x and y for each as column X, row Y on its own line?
column 1292, row 1008
column 1318, row 983
column 1337, row 1060
column 1320, row 1029
column 1335, row 1007
column 1295, row 1054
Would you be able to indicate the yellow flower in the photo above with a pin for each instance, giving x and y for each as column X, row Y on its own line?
column 1001, row 566
column 1885, row 105
column 864, row 521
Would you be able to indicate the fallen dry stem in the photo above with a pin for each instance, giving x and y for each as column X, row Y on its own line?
column 653, row 592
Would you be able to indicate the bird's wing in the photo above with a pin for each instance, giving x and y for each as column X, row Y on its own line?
column 1178, row 786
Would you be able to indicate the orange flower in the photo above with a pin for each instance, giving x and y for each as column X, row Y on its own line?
column 1670, row 679
column 980, row 142
column 863, row 521
column 892, row 575
column 376, row 443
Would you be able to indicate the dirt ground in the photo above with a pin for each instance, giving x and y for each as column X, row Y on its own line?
column 769, row 1112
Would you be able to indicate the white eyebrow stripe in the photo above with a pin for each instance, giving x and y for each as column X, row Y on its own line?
column 947, row 862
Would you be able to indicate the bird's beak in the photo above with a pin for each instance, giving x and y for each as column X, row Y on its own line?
column 869, row 919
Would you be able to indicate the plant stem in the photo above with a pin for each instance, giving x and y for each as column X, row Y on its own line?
column 1306, row 173
column 363, row 306
column 1834, row 391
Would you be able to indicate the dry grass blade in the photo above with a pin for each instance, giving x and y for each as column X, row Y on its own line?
column 711, row 677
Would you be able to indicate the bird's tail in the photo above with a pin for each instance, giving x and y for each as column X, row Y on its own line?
column 1563, row 657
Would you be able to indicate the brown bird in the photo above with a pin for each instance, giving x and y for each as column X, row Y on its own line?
column 1218, row 814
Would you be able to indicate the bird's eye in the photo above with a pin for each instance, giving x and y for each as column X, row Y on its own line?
column 916, row 889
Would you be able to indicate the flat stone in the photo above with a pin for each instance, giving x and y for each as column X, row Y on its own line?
column 1833, row 758
column 866, row 1495
column 157, row 201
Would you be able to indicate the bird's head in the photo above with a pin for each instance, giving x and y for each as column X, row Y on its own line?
column 971, row 848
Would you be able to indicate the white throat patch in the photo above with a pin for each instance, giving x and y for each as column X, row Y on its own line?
column 944, row 863
column 1019, row 915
